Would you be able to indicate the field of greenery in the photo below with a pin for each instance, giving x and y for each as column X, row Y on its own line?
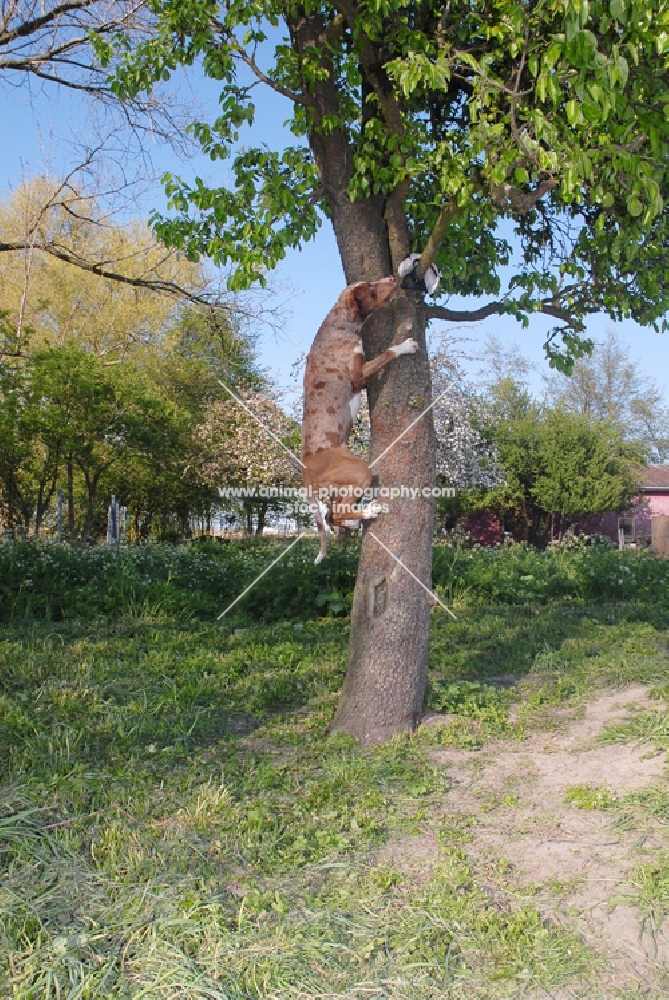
column 176, row 821
column 55, row 583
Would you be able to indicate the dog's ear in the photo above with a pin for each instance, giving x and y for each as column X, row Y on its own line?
column 356, row 297
column 365, row 298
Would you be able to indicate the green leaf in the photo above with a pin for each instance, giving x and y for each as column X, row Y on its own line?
column 573, row 112
column 617, row 8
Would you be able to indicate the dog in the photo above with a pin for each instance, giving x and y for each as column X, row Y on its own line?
column 335, row 375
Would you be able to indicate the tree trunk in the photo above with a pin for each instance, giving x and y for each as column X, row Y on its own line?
column 262, row 511
column 145, row 529
column 390, row 620
column 92, row 489
column 39, row 513
column 70, row 500
column 387, row 660
column 46, row 491
column 386, row 676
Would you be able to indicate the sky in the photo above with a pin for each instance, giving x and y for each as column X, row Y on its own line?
column 39, row 130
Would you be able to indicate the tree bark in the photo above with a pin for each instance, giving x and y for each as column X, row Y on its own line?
column 386, row 676
column 39, row 513
column 262, row 511
column 92, row 490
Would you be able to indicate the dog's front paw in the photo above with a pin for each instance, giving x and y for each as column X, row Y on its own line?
column 408, row 346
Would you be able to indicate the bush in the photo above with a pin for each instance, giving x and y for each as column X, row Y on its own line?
column 525, row 575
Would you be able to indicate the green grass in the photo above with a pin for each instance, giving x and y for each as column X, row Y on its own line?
column 589, row 797
column 176, row 821
column 650, row 892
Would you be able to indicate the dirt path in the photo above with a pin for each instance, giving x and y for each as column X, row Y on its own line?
column 576, row 863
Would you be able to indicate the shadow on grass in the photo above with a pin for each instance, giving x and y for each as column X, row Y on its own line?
column 499, row 645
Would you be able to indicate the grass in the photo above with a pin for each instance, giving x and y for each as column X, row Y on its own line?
column 589, row 797
column 176, row 821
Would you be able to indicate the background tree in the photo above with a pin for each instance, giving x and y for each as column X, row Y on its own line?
column 466, row 452
column 555, row 465
column 52, row 45
column 104, row 415
column 17, row 480
column 427, row 127
column 235, row 452
column 608, row 385
column 50, row 40
column 124, row 288
column 167, row 487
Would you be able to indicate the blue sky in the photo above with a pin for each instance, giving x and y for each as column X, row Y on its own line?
column 37, row 129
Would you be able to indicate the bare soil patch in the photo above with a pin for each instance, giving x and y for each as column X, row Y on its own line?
column 575, row 864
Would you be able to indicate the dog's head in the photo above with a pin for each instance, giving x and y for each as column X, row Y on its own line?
column 364, row 298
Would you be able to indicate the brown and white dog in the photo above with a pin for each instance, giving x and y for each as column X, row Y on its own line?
column 335, row 375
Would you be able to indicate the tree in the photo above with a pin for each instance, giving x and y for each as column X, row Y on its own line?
column 56, row 44
column 236, row 453
column 556, row 466
column 17, row 478
column 466, row 454
column 608, row 385
column 103, row 415
column 425, row 127
column 70, row 272
column 186, row 367
column 51, row 39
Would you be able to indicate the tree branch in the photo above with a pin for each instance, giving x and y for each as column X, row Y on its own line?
column 508, row 198
column 159, row 285
column 463, row 315
column 554, row 310
column 548, row 307
column 27, row 28
column 435, row 239
column 369, row 61
column 302, row 99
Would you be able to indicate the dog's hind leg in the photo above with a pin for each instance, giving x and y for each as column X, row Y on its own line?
column 323, row 529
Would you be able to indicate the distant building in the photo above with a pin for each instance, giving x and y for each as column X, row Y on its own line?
column 645, row 523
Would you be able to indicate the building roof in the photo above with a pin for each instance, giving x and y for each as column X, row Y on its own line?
column 655, row 477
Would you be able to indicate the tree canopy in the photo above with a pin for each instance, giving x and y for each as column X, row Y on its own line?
column 111, row 298
column 556, row 465
column 457, row 118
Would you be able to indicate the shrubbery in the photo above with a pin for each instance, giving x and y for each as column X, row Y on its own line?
column 58, row 582
column 522, row 574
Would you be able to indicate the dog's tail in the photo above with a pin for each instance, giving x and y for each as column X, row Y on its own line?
column 323, row 529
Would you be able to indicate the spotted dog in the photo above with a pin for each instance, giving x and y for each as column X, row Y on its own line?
column 335, row 375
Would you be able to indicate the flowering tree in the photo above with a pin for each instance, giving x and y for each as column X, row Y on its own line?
column 236, row 452
column 466, row 454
